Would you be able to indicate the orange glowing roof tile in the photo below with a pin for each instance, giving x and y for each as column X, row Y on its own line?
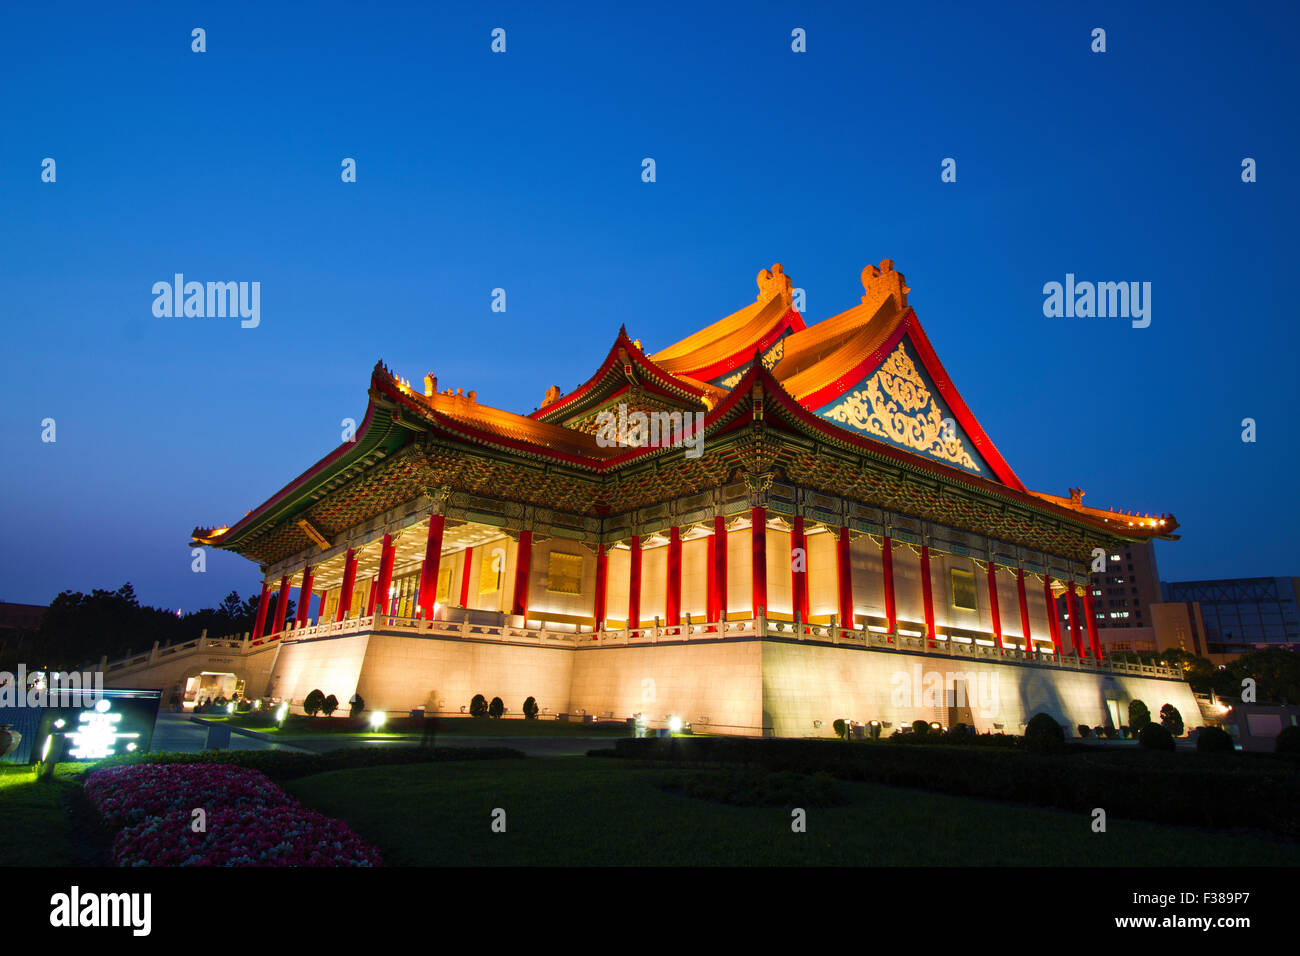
column 816, row 355
column 730, row 342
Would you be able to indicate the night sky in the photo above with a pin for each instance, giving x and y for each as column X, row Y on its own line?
column 523, row 171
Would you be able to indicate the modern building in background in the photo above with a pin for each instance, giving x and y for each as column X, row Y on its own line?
column 1242, row 614
column 1124, row 599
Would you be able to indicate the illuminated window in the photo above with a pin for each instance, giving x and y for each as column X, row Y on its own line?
column 444, row 584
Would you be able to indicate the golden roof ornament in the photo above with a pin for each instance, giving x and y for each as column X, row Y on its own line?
column 880, row 282
column 773, row 281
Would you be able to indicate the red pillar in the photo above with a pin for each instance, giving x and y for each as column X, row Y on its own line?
column 349, row 585
column 304, row 596
column 673, row 596
column 1093, row 640
column 1024, row 609
column 384, row 583
column 994, row 613
column 370, row 601
column 429, row 572
column 1076, row 632
column 466, row 566
column 799, row 575
column 281, row 606
column 634, row 585
column 260, row 624
column 602, row 575
column 759, row 544
column 927, row 594
column 887, row 562
column 523, row 566
column 720, row 568
column 844, row 579
column 1053, row 625
column 710, row 581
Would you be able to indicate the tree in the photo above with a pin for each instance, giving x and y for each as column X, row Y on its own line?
column 478, row 707
column 329, row 705
column 1156, row 737
column 840, row 727
column 1138, row 715
column 496, row 708
column 530, row 709
column 1288, row 741
column 920, row 727
column 1044, row 735
column 1171, row 719
column 1276, row 673
column 313, row 704
column 1214, row 740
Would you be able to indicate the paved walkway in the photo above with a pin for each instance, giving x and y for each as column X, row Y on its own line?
column 177, row 732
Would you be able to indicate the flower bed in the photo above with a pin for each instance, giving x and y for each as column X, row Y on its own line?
column 249, row 821
column 247, row 835
column 127, row 795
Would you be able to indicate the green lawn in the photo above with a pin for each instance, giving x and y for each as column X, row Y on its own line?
column 34, row 829
column 589, row 811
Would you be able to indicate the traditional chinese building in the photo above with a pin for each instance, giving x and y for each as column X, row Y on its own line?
column 837, row 531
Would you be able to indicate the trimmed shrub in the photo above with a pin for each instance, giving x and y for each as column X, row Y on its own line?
column 1171, row 719
column 329, row 705
column 1043, row 735
column 920, row 727
column 478, row 707
column 1085, row 731
column 358, row 705
column 1156, row 737
column 755, row 787
column 496, row 708
column 281, row 765
column 1125, row 731
column 531, row 709
column 313, row 704
column 1288, row 741
column 1138, row 715
column 1214, row 740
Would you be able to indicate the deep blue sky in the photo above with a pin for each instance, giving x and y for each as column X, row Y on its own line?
column 523, row 171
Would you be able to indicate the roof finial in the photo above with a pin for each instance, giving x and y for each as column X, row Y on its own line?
column 773, row 281
column 881, row 282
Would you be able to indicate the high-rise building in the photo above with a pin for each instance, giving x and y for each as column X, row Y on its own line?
column 1123, row 599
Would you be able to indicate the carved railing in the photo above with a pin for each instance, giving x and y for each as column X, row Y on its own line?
column 867, row 638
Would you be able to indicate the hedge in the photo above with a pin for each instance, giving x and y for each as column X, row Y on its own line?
column 289, row 765
column 1188, row 789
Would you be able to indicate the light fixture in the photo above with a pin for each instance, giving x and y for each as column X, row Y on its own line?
column 377, row 719
column 675, row 724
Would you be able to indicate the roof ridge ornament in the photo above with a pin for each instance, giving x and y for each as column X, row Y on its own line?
column 773, row 282
column 880, row 282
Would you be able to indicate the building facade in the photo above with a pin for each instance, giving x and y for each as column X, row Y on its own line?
column 1242, row 614
column 759, row 529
